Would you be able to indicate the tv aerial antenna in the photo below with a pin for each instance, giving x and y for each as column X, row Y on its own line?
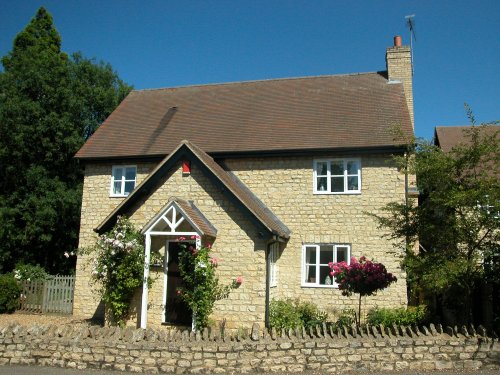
column 410, row 23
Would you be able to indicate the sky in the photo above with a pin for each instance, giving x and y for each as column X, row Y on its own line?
column 153, row 43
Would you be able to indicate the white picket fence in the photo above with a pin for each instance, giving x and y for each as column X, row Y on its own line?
column 54, row 295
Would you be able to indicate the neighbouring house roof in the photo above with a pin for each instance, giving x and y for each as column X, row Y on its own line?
column 447, row 137
column 311, row 113
column 189, row 211
column 233, row 187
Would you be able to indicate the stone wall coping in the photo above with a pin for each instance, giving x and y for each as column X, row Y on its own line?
column 181, row 337
column 320, row 348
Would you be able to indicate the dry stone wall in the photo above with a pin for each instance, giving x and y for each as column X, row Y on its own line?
column 162, row 351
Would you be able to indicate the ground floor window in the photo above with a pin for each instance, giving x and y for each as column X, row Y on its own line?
column 273, row 269
column 315, row 259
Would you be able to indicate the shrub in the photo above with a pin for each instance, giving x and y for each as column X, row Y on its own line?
column 286, row 314
column 9, row 294
column 310, row 315
column 413, row 315
column 346, row 318
column 29, row 272
column 283, row 314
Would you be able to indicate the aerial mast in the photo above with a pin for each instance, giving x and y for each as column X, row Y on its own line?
column 410, row 23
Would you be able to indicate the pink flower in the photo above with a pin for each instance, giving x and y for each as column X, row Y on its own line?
column 178, row 292
column 354, row 260
column 195, row 237
column 239, row 280
column 209, row 245
column 181, row 238
column 214, row 261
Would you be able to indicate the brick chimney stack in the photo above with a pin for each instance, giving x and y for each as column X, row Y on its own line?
column 399, row 69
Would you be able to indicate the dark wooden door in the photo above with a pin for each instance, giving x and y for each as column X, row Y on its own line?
column 176, row 310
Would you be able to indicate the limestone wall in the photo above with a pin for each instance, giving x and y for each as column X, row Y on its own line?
column 366, row 349
column 285, row 185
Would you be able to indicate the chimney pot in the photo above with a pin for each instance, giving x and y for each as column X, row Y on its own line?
column 398, row 41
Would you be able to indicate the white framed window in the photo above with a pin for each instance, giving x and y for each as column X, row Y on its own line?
column 123, row 180
column 337, row 176
column 273, row 268
column 315, row 259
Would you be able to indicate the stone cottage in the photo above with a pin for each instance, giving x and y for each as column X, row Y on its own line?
column 278, row 175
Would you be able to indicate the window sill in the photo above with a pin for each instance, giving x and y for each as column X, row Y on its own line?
column 337, row 193
column 118, row 196
column 319, row 286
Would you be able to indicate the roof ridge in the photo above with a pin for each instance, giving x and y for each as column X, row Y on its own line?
column 258, row 80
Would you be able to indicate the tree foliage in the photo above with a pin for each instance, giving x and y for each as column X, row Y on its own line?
column 49, row 104
column 456, row 221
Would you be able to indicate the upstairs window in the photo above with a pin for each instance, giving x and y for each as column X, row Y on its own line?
column 337, row 176
column 315, row 259
column 122, row 180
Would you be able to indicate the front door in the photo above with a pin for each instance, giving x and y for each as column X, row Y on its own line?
column 176, row 310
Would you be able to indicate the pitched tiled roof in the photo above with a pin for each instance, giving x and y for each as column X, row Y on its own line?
column 448, row 137
column 312, row 113
column 193, row 214
column 236, row 189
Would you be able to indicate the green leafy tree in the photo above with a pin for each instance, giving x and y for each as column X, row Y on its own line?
column 49, row 104
column 456, row 222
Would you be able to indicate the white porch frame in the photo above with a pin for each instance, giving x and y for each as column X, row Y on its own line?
column 170, row 218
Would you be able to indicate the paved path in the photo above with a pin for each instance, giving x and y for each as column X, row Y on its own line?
column 35, row 370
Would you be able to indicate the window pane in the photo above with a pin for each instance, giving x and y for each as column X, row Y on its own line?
column 130, row 173
column 324, row 275
column 352, row 183
column 117, row 173
column 311, row 255
column 310, row 274
column 337, row 167
column 321, row 168
column 342, row 254
column 117, row 187
column 337, row 184
column 129, row 186
column 321, row 184
column 326, row 254
column 352, row 167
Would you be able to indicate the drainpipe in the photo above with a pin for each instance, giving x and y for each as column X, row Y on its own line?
column 268, row 270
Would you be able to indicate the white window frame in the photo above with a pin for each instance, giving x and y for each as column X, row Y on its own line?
column 273, row 267
column 316, row 283
column 122, row 180
column 328, row 176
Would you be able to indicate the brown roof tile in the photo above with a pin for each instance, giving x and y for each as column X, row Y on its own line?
column 325, row 112
column 447, row 137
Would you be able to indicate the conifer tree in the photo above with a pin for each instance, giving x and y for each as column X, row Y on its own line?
column 49, row 104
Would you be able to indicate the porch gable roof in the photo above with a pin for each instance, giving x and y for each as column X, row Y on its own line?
column 189, row 211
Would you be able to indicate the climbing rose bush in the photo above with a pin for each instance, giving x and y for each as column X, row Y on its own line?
column 201, row 287
column 117, row 268
column 363, row 277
